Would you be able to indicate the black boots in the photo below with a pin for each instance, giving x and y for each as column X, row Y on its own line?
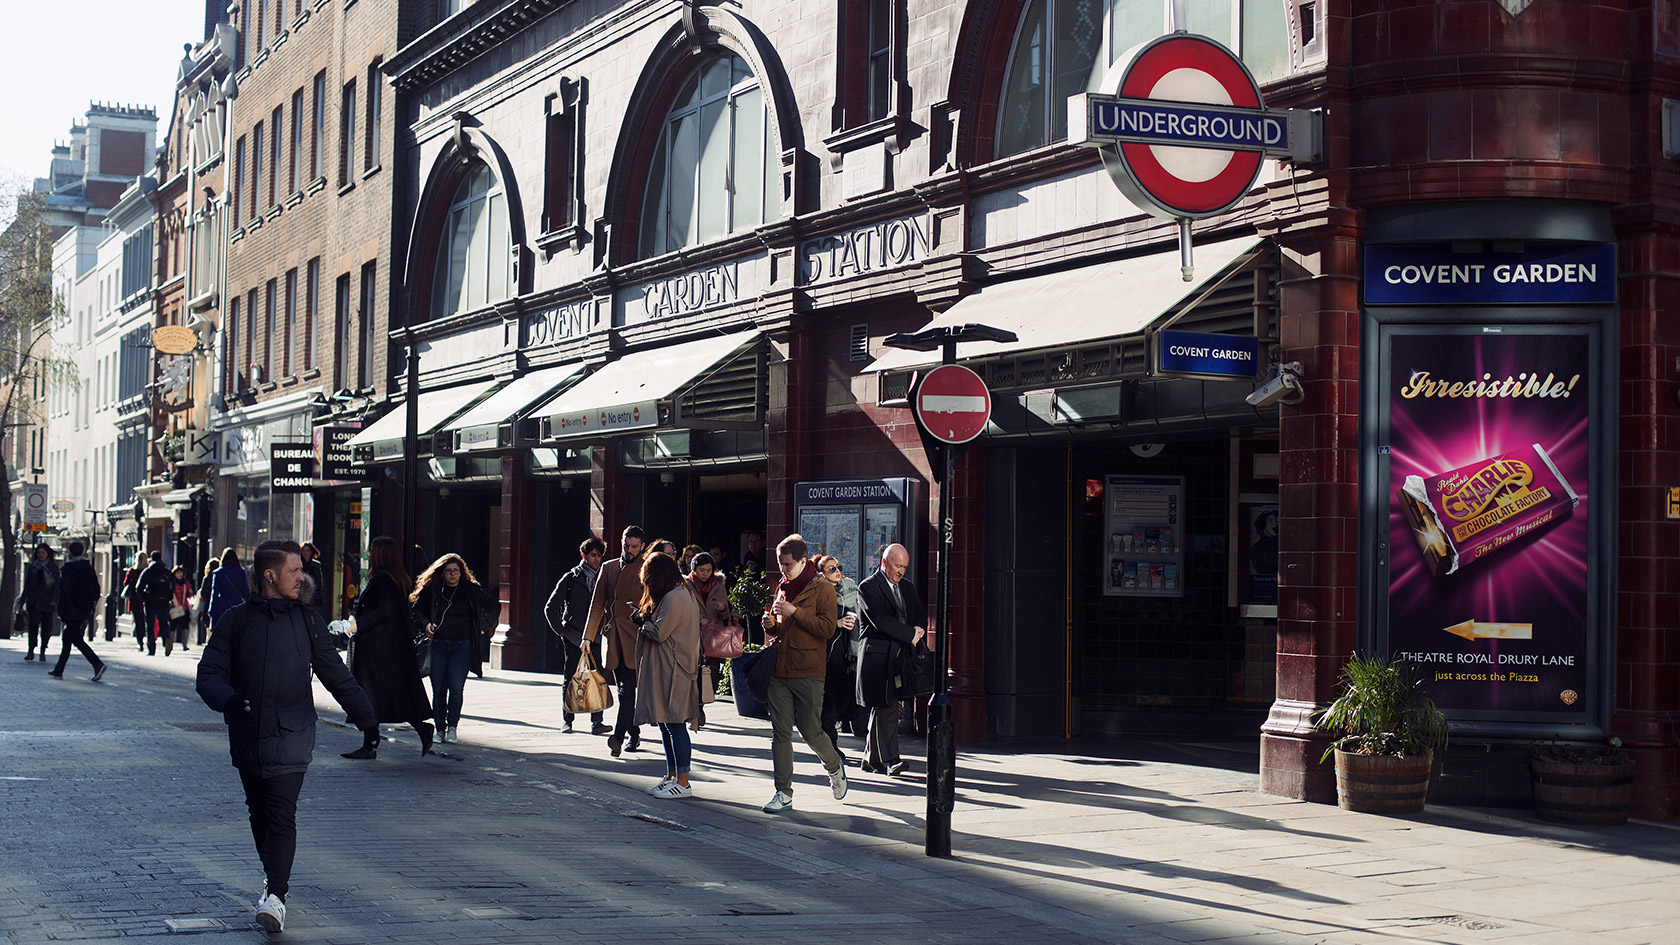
column 425, row 729
column 370, row 746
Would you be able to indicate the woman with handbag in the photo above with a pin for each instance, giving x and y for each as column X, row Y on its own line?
column 720, row 637
column 453, row 610
column 384, row 666
column 840, row 687
column 39, row 599
column 668, row 666
column 180, row 611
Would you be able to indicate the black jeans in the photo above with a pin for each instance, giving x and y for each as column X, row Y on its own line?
column 73, row 630
column 573, row 654
column 273, row 806
column 40, row 624
column 626, row 722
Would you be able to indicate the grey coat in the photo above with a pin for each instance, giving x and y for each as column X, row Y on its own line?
column 668, row 660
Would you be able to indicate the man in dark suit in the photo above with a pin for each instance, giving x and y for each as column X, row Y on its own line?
column 893, row 619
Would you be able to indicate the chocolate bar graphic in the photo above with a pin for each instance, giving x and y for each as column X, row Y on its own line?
column 1482, row 630
column 1464, row 514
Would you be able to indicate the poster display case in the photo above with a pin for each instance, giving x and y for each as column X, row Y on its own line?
column 1144, row 538
column 854, row 519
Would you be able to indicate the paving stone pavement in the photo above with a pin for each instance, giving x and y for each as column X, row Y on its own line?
column 120, row 817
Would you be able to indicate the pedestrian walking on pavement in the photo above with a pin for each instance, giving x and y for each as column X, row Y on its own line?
column 154, row 590
column 78, row 595
column 801, row 617
column 385, row 665
column 457, row 613
column 180, row 611
column 228, row 588
column 39, row 600
column 894, row 620
column 315, row 593
column 839, row 685
column 668, row 666
column 617, row 591
column 256, row 672
column 567, row 611
column 712, row 590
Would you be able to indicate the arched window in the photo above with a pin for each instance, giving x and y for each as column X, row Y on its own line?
column 714, row 168
column 1062, row 48
column 473, row 256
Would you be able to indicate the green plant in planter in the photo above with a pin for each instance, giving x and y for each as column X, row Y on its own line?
column 749, row 592
column 727, row 673
column 1384, row 709
column 1609, row 754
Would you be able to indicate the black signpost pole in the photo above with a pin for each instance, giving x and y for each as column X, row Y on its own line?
column 942, row 736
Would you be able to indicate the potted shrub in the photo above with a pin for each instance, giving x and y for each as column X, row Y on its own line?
column 1386, row 729
column 1586, row 784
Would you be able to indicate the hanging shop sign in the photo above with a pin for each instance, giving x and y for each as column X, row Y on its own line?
column 1196, row 354
column 174, row 339
column 1490, row 515
column 1536, row 274
column 337, row 463
column 292, row 467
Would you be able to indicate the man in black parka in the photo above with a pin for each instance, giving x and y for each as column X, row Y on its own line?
column 894, row 620
column 255, row 671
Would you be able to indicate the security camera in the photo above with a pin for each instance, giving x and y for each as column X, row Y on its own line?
column 1283, row 387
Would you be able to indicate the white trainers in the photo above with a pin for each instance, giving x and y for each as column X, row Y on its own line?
column 837, row 782
column 674, row 788
column 271, row 913
column 655, row 789
column 783, row 801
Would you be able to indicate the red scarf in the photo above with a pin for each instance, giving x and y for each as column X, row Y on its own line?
column 791, row 589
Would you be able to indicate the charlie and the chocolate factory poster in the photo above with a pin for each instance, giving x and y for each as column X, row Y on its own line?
column 1490, row 498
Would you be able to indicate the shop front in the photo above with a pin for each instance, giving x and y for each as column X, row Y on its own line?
column 248, row 509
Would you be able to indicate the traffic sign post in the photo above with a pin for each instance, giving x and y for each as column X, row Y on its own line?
column 952, row 406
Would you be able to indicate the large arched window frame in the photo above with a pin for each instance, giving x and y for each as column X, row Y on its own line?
column 1062, row 47
column 473, row 265
column 714, row 168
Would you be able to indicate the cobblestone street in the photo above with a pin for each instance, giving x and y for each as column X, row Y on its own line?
column 123, row 818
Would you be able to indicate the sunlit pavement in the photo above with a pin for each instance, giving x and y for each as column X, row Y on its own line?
column 120, row 817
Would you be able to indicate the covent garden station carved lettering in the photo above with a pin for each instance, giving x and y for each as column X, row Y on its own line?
column 692, row 291
column 557, row 323
column 880, row 246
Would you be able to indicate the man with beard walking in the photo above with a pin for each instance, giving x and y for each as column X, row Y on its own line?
column 568, row 615
column 256, row 672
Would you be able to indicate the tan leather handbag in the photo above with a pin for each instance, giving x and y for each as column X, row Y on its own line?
column 587, row 691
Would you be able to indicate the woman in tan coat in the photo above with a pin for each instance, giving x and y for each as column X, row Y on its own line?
column 668, row 666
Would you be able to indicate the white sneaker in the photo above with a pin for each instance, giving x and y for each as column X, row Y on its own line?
column 674, row 788
column 271, row 913
column 655, row 789
column 452, row 736
column 783, row 801
column 837, row 782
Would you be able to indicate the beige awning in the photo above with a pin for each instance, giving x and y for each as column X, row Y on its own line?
column 382, row 440
column 1077, row 306
column 625, row 394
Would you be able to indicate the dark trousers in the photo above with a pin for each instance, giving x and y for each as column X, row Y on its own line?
column 273, row 806
column 626, row 722
column 881, row 745
column 573, row 655
column 73, row 637
column 150, row 618
column 451, row 660
column 839, row 703
column 40, row 625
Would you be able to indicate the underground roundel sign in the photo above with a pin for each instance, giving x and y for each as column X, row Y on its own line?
column 952, row 404
column 1181, row 126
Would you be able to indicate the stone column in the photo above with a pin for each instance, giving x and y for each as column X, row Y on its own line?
column 513, row 646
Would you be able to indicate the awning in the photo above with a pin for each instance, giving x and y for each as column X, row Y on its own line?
column 382, row 440
column 182, row 497
column 1090, row 303
column 480, row 427
column 625, row 394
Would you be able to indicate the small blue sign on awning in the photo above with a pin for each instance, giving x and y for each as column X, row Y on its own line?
column 1189, row 353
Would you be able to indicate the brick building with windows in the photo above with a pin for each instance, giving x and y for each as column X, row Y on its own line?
column 308, row 265
column 649, row 256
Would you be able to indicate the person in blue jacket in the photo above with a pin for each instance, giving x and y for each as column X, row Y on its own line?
column 227, row 586
column 256, row 672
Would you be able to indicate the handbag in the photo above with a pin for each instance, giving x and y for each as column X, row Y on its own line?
column 708, row 686
column 176, row 611
column 587, row 691
column 423, row 654
column 721, row 641
column 917, row 671
column 759, row 668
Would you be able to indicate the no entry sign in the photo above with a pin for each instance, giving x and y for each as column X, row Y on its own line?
column 1182, row 127
column 952, row 404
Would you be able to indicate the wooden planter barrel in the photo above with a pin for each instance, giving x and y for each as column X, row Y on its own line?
column 1381, row 784
column 1588, row 795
